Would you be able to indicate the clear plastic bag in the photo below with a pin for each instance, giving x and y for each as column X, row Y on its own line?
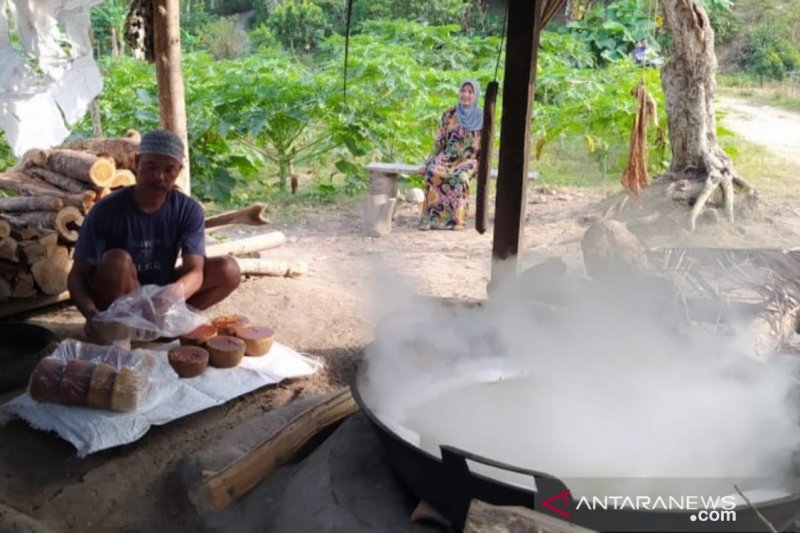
column 103, row 377
column 149, row 313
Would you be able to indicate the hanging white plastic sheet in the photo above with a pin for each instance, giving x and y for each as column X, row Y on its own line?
column 49, row 79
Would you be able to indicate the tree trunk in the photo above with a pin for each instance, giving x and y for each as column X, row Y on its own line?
column 171, row 100
column 698, row 164
column 97, row 123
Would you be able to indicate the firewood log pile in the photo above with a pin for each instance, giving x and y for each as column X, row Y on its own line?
column 43, row 201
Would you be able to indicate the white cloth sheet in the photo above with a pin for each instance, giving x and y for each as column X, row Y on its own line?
column 169, row 398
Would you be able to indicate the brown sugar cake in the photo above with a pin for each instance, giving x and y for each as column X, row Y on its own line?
column 128, row 387
column 198, row 336
column 257, row 339
column 76, row 381
column 46, row 380
column 101, row 386
column 227, row 324
column 225, row 351
column 188, row 361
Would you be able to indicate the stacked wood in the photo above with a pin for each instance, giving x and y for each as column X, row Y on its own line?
column 123, row 150
column 43, row 202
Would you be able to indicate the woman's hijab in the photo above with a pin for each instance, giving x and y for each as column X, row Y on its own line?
column 470, row 117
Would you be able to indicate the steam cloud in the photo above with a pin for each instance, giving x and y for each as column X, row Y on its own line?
column 612, row 389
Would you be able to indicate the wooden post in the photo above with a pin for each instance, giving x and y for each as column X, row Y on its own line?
column 524, row 28
column 171, row 103
column 485, row 160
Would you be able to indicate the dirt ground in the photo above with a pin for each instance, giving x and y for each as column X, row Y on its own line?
column 329, row 313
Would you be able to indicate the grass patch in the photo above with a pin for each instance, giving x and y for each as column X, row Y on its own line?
column 783, row 94
column 773, row 176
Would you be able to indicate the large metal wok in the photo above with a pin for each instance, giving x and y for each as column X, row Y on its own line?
column 449, row 484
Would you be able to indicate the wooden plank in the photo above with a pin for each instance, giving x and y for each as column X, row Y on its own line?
column 485, row 160
column 228, row 485
column 522, row 46
column 171, row 99
column 403, row 168
column 16, row 306
column 486, row 518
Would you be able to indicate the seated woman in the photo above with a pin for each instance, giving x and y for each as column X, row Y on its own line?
column 454, row 162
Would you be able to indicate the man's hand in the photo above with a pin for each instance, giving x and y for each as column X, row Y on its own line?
column 168, row 296
column 422, row 170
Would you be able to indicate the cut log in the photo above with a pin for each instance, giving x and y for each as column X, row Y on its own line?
column 31, row 203
column 34, row 158
column 231, row 483
column 251, row 216
column 485, row 518
column 14, row 307
column 123, row 151
column 66, row 221
column 5, row 228
column 102, row 193
column 21, row 231
column 50, row 273
column 249, row 245
column 268, row 267
column 23, row 184
column 5, row 290
column 8, row 249
column 83, row 201
column 82, row 166
column 30, row 252
column 23, row 286
column 9, row 270
column 59, row 180
column 49, row 240
column 123, row 178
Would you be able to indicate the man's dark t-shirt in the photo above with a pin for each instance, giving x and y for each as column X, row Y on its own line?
column 152, row 239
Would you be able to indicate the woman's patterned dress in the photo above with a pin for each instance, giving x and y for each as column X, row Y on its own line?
column 448, row 174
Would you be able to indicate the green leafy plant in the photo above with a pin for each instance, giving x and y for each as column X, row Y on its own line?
column 610, row 30
column 771, row 52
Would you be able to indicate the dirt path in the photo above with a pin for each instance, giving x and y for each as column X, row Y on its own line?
column 775, row 129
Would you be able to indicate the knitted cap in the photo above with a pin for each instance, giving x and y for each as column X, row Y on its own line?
column 162, row 142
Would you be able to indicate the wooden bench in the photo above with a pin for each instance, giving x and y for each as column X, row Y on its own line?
column 377, row 209
column 383, row 177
